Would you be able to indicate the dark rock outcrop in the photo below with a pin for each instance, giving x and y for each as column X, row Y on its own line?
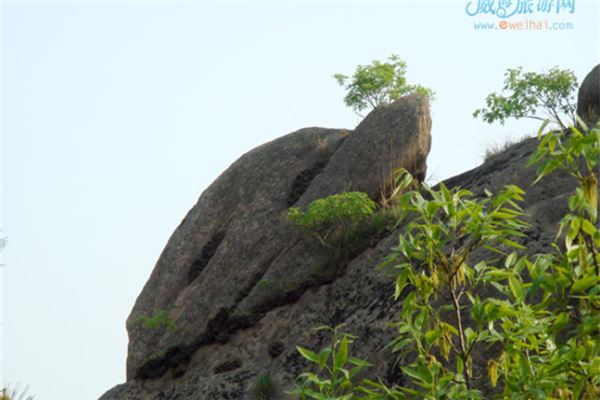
column 222, row 249
column 235, row 262
column 588, row 101
column 244, row 286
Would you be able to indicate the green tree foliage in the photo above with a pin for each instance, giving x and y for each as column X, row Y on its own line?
column 541, row 313
column 551, row 342
column 378, row 83
column 437, row 282
column 576, row 153
column 533, row 95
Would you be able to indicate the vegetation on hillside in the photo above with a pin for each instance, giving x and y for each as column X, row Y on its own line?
column 540, row 313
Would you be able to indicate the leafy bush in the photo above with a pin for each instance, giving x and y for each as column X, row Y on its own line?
column 336, row 370
column 544, row 312
column 335, row 219
column 437, row 282
column 323, row 213
column 378, row 83
column 551, row 344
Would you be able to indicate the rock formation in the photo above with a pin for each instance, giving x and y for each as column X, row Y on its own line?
column 588, row 101
column 235, row 262
column 244, row 286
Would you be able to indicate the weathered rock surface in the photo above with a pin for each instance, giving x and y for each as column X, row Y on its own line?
column 392, row 136
column 244, row 286
column 223, row 248
column 588, row 101
column 235, row 263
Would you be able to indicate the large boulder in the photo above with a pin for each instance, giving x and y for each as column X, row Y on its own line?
column 222, row 248
column 392, row 136
column 235, row 259
column 588, row 101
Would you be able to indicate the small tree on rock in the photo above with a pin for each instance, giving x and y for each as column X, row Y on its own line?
column 378, row 83
column 540, row 96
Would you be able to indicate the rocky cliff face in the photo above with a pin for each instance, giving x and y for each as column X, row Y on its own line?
column 244, row 286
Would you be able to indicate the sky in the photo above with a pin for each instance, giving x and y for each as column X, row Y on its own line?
column 116, row 115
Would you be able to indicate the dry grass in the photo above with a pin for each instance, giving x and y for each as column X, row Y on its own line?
column 495, row 148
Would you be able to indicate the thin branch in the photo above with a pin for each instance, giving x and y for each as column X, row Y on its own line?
column 461, row 336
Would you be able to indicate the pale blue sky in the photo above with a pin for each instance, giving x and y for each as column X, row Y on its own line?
column 117, row 115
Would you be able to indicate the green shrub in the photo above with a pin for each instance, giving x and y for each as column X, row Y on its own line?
column 541, row 311
column 335, row 220
column 335, row 370
column 159, row 319
column 437, row 282
column 345, row 208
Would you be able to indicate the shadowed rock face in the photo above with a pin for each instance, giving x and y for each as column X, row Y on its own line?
column 235, row 259
column 222, row 249
column 588, row 101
